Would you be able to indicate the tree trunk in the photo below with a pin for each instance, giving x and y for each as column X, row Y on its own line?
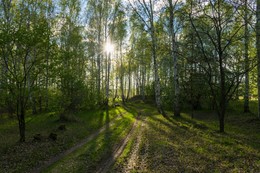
column 223, row 99
column 156, row 77
column 20, row 112
column 175, row 63
column 157, row 86
column 143, row 82
column 137, row 82
column 115, row 96
column 22, row 125
column 122, row 71
column 99, row 75
column 246, row 94
column 107, row 80
column 222, row 108
column 258, row 51
column 129, row 79
column 47, row 76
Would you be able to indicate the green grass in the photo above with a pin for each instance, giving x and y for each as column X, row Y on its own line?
column 90, row 157
column 167, row 145
column 16, row 157
column 195, row 145
column 122, row 160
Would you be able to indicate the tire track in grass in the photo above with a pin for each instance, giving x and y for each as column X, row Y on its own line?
column 117, row 151
column 60, row 156
column 135, row 161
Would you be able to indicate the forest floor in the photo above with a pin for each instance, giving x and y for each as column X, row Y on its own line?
column 135, row 138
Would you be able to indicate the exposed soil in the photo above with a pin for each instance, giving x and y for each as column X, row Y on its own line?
column 137, row 161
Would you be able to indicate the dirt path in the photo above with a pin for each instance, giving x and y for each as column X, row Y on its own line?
column 60, row 156
column 117, row 151
column 135, row 161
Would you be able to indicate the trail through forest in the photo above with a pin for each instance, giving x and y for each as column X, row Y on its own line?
column 136, row 161
column 139, row 139
column 152, row 143
column 117, row 150
column 80, row 144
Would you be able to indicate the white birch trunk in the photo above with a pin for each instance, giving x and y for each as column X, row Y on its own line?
column 175, row 62
column 157, row 86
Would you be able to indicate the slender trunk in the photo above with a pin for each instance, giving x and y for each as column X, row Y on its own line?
column 48, row 15
column 122, row 75
column 47, row 78
column 99, row 56
column 20, row 111
column 108, row 80
column 116, row 89
column 47, row 94
column 155, row 64
column 258, row 51
column 122, row 88
column 137, row 82
column 22, row 124
column 143, row 82
column 129, row 79
column 223, row 101
column 99, row 71
column 175, row 63
column 246, row 95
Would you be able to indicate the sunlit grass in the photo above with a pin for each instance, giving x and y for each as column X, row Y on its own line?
column 167, row 145
column 88, row 157
column 13, row 153
column 195, row 145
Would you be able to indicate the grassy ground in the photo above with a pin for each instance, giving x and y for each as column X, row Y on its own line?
column 158, row 144
column 194, row 145
column 16, row 157
column 91, row 156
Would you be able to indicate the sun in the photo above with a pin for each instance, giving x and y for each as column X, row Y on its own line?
column 109, row 47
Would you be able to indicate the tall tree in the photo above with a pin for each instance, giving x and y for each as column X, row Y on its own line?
column 172, row 22
column 209, row 23
column 22, row 45
column 146, row 13
column 246, row 42
column 258, row 50
column 120, row 33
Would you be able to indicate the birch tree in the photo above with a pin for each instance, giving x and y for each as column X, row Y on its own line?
column 172, row 22
column 146, row 14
